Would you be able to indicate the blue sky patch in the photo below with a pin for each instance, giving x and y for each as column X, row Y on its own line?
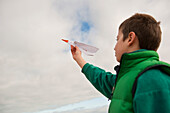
column 85, row 26
column 80, row 106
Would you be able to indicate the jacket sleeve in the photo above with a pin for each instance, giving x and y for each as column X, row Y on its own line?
column 152, row 93
column 103, row 81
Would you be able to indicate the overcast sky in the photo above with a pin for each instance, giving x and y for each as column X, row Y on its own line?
column 37, row 72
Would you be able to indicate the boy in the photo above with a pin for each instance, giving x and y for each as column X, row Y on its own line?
column 142, row 82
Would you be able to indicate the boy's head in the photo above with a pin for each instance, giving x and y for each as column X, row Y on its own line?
column 140, row 31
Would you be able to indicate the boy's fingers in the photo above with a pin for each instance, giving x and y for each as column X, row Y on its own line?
column 73, row 49
column 77, row 48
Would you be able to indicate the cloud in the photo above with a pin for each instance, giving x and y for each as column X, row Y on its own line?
column 36, row 67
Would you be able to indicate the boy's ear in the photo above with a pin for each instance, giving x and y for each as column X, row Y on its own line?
column 131, row 38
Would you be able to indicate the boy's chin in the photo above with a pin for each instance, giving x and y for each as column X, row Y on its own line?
column 118, row 60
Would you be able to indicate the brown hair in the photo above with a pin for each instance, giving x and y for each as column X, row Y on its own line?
column 146, row 28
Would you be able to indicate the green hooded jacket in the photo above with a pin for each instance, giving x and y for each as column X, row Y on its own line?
column 153, row 86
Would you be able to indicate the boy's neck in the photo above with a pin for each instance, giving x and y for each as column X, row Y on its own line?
column 139, row 50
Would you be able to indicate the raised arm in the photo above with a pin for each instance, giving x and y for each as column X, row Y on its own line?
column 103, row 81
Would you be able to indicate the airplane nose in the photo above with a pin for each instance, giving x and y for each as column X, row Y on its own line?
column 65, row 40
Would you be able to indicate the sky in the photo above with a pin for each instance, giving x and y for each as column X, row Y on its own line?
column 38, row 73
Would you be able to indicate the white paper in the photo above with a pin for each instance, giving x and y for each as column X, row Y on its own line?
column 87, row 49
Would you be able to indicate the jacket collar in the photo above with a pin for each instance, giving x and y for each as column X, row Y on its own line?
column 129, row 60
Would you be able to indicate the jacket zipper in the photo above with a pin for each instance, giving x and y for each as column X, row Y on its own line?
column 117, row 73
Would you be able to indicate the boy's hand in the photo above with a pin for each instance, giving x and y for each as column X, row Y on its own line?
column 76, row 53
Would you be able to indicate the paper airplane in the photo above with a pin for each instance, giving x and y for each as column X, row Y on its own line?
column 87, row 49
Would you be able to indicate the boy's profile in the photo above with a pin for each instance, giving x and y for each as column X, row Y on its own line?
column 142, row 82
